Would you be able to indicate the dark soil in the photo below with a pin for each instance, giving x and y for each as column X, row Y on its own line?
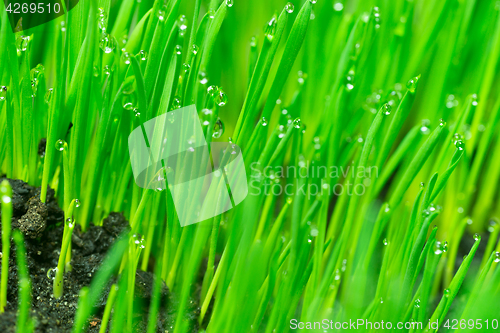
column 42, row 227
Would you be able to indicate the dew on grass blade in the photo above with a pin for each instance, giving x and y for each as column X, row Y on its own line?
column 126, row 58
column 425, row 126
column 178, row 49
column 297, row 123
column 195, row 49
column 128, row 106
column 387, row 109
column 107, row 43
column 270, row 29
column 22, row 44
column 497, row 256
column 77, row 203
column 477, row 237
column 460, row 145
column 289, row 8
column 221, row 99
column 442, row 123
column 338, row 6
column 206, row 117
column 60, row 145
column 202, row 77
column 183, row 25
column 302, row 77
column 412, row 84
column 106, row 70
column 313, row 1
column 176, row 104
column 385, row 241
column 263, row 121
column 143, row 55
column 102, row 19
column 218, row 129
column 161, row 14
column 446, row 292
column 3, row 93
column 474, row 99
column 229, row 3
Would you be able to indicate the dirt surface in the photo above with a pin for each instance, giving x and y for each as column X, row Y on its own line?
column 42, row 226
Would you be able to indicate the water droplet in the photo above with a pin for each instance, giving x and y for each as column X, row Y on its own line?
column 178, row 49
column 446, row 292
column 263, row 121
column 297, row 123
column 60, row 145
column 301, row 79
column 161, row 14
column 102, row 19
column 338, row 6
column 3, row 93
column 425, row 126
column 381, row 300
column 422, row 185
column 183, row 25
column 412, row 84
column 77, row 203
column 474, row 100
column 460, row 145
column 107, row 70
column 128, row 106
column 218, row 129
column 159, row 189
column 387, row 109
column 289, row 8
column 270, row 29
column 313, row 1
column 289, row 200
column 349, row 81
column 176, row 104
column 387, row 208
column 143, row 55
column 497, row 256
column 221, row 98
column 477, row 237
column 314, row 232
column 444, row 248
column 229, row 3
column 195, row 49
column 385, row 242
column 126, row 58
column 22, row 44
column 438, row 248
column 107, row 43
column 442, row 123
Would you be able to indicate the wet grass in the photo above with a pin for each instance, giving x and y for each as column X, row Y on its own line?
column 369, row 132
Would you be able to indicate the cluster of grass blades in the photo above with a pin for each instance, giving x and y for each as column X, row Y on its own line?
column 369, row 131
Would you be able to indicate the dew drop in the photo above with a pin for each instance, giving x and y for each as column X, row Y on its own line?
column 22, row 44
column 477, row 237
column 263, row 121
column 297, row 123
column 183, row 25
column 106, row 70
column 289, row 200
column 338, row 6
column 126, row 58
column 314, row 232
column 143, row 55
column 178, row 49
column 218, row 129
column 107, row 43
column 77, row 203
column 412, row 84
column 313, row 1
column 460, row 145
column 387, row 109
column 60, row 145
column 221, row 98
column 229, row 3
column 446, row 292
column 270, row 29
column 176, row 104
column 3, row 93
column 128, row 106
column 51, row 273
column 474, row 100
column 442, row 123
column 385, row 241
column 195, row 49
column 289, row 8
column 497, row 256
